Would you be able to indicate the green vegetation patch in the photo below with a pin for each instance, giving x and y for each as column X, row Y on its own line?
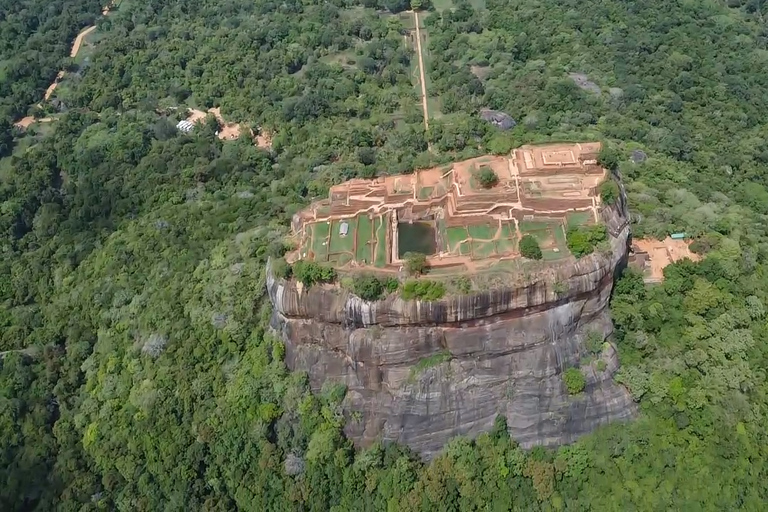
column 544, row 237
column 425, row 192
column 506, row 246
column 483, row 249
column 381, row 224
column 582, row 241
column 423, row 289
column 425, row 363
column 456, row 236
column 574, row 380
column 346, row 243
column 320, row 232
column 365, row 238
column 576, row 219
column 526, row 226
column 508, row 230
column 482, row 231
column 559, row 233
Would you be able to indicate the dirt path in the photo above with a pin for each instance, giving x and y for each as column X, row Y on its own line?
column 72, row 53
column 421, row 72
column 79, row 40
column 76, row 44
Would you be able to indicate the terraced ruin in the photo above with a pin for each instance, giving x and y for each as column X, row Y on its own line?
column 446, row 213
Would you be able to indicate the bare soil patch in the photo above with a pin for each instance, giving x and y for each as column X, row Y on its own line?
column 227, row 130
column 662, row 253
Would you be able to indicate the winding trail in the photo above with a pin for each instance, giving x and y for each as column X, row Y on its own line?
column 421, row 72
column 25, row 122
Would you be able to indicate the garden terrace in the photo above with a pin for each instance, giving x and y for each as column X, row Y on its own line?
column 449, row 212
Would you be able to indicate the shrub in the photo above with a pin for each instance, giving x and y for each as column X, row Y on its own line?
column 608, row 157
column 368, row 287
column 574, row 380
column 309, row 273
column 529, row 248
column 281, row 269
column 582, row 240
column 486, row 177
column 416, row 263
column 463, row 284
column 423, row 289
column 594, row 342
column 609, row 192
column 391, row 284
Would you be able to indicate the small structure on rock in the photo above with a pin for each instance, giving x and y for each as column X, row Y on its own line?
column 497, row 118
column 638, row 156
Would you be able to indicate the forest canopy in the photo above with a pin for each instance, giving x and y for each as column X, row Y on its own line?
column 137, row 369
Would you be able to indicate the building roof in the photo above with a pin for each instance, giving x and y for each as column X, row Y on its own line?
column 185, row 126
column 343, row 228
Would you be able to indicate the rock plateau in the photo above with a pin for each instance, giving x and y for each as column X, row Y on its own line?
column 420, row 373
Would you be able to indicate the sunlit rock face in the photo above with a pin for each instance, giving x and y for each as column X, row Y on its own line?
column 420, row 373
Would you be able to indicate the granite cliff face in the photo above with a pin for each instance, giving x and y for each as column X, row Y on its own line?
column 421, row 373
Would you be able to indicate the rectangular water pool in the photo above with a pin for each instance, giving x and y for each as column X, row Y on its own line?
column 416, row 237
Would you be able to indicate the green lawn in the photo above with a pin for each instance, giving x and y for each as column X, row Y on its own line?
column 364, row 253
column 483, row 249
column 559, row 233
column 343, row 243
column 532, row 225
column 506, row 245
column 425, row 192
column 482, row 232
column 455, row 237
column 320, row 232
column 551, row 255
column 508, row 230
column 577, row 219
column 380, row 224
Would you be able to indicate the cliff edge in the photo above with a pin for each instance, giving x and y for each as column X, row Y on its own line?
column 421, row 373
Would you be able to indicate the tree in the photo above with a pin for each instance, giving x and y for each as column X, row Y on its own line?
column 281, row 269
column 582, row 240
column 6, row 137
column 486, row 177
column 609, row 191
column 423, row 289
column 529, row 248
column 608, row 157
column 416, row 263
column 500, row 144
column 368, row 287
column 574, row 380
column 310, row 273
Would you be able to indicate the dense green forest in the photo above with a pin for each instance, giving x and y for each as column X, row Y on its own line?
column 137, row 371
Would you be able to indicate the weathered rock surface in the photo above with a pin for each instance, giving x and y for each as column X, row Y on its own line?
column 507, row 350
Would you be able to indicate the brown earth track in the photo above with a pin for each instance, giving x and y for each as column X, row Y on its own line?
column 25, row 122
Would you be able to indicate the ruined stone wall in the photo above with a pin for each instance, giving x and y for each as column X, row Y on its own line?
column 422, row 372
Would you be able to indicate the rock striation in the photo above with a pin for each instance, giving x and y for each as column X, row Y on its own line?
column 420, row 373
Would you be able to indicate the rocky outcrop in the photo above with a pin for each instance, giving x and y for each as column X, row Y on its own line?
column 420, row 373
